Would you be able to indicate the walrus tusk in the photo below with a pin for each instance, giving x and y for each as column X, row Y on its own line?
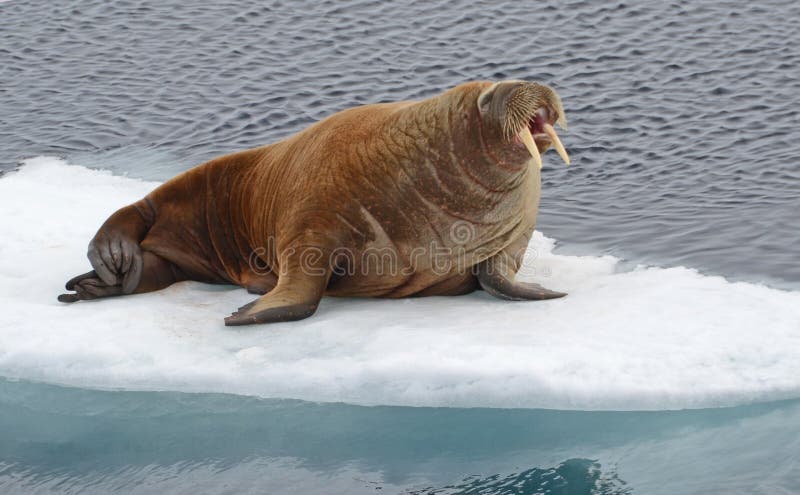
column 556, row 142
column 527, row 140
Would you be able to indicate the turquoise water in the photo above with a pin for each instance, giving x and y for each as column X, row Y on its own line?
column 69, row 440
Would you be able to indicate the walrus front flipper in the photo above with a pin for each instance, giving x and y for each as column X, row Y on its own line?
column 496, row 278
column 295, row 297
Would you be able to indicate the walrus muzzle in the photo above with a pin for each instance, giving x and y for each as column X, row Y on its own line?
column 525, row 113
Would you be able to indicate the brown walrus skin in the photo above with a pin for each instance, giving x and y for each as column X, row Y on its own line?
column 442, row 190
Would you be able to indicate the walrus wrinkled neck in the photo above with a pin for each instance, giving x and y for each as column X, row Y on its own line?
column 448, row 134
column 435, row 145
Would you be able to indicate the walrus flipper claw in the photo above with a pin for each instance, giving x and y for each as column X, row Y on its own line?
column 498, row 281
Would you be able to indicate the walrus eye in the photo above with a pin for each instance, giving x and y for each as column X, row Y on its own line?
column 485, row 99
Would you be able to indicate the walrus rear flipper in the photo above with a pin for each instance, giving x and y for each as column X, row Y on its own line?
column 150, row 273
column 89, row 286
column 497, row 279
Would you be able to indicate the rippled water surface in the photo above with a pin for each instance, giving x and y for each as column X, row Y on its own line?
column 685, row 139
column 685, row 131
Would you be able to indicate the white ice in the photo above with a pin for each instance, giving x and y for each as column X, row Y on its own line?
column 650, row 338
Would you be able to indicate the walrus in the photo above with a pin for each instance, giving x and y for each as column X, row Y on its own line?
column 415, row 198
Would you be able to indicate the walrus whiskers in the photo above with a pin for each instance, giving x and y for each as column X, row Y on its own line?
column 528, row 109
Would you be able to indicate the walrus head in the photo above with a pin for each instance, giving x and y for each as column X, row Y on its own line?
column 519, row 115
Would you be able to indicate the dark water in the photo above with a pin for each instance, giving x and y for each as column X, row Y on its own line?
column 685, row 139
column 685, row 128
column 71, row 440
